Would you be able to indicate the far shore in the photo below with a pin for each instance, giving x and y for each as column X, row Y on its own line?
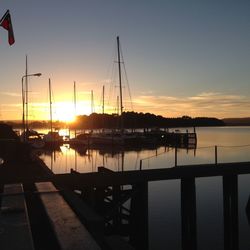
column 132, row 120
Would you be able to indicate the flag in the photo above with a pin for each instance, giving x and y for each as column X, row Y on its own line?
column 5, row 22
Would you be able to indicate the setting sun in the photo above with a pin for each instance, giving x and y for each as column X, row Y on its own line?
column 64, row 112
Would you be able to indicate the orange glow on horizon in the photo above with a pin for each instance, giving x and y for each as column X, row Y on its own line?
column 65, row 111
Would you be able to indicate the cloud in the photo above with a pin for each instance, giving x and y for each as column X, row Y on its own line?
column 210, row 104
column 11, row 94
column 204, row 104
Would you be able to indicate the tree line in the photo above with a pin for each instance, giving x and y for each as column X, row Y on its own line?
column 141, row 120
column 130, row 120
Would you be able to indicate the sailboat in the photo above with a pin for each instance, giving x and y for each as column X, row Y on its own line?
column 52, row 138
column 120, row 137
column 80, row 140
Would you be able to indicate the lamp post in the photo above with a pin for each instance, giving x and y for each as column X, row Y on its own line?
column 25, row 102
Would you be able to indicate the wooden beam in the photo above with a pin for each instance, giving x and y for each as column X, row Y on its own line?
column 70, row 232
column 15, row 232
column 107, row 178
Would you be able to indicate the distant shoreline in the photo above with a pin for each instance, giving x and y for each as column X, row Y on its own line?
column 134, row 120
column 237, row 121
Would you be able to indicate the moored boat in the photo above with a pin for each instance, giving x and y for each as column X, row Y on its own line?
column 52, row 138
column 33, row 138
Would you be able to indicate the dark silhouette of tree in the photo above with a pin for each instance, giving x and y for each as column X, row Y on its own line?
column 131, row 120
column 141, row 120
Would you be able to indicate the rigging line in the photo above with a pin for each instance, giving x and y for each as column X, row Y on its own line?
column 111, row 73
column 114, row 83
column 233, row 146
column 54, row 107
column 224, row 146
column 212, row 146
column 126, row 79
column 101, row 99
column 111, row 84
column 111, row 59
column 46, row 109
column 162, row 153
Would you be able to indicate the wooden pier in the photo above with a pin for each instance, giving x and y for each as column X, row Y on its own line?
column 92, row 206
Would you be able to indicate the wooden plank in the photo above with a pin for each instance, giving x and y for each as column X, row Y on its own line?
column 116, row 242
column 70, row 232
column 131, row 177
column 90, row 218
column 79, row 181
column 104, row 170
column 15, row 232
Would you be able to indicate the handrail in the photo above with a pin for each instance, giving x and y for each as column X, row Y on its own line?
column 215, row 147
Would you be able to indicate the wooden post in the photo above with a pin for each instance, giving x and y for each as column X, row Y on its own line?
column 175, row 157
column 188, row 214
column 216, row 155
column 116, row 198
column 140, row 164
column 139, row 216
column 231, row 217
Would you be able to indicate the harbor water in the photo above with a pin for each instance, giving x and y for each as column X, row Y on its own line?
column 164, row 199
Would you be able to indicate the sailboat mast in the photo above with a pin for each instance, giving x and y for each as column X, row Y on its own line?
column 103, row 99
column 26, row 93
column 75, row 97
column 117, row 105
column 120, row 79
column 92, row 102
column 50, row 106
column 75, row 102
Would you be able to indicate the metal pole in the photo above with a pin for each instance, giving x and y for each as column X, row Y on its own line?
column 23, row 102
column 120, row 80
column 92, row 102
column 50, row 107
column 103, row 99
column 26, row 95
column 75, row 103
column 216, row 155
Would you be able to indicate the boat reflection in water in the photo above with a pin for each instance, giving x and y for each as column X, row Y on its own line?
column 117, row 158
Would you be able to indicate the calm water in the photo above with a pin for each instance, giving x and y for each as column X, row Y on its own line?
column 164, row 203
column 233, row 145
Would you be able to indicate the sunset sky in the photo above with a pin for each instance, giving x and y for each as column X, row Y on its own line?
column 181, row 57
